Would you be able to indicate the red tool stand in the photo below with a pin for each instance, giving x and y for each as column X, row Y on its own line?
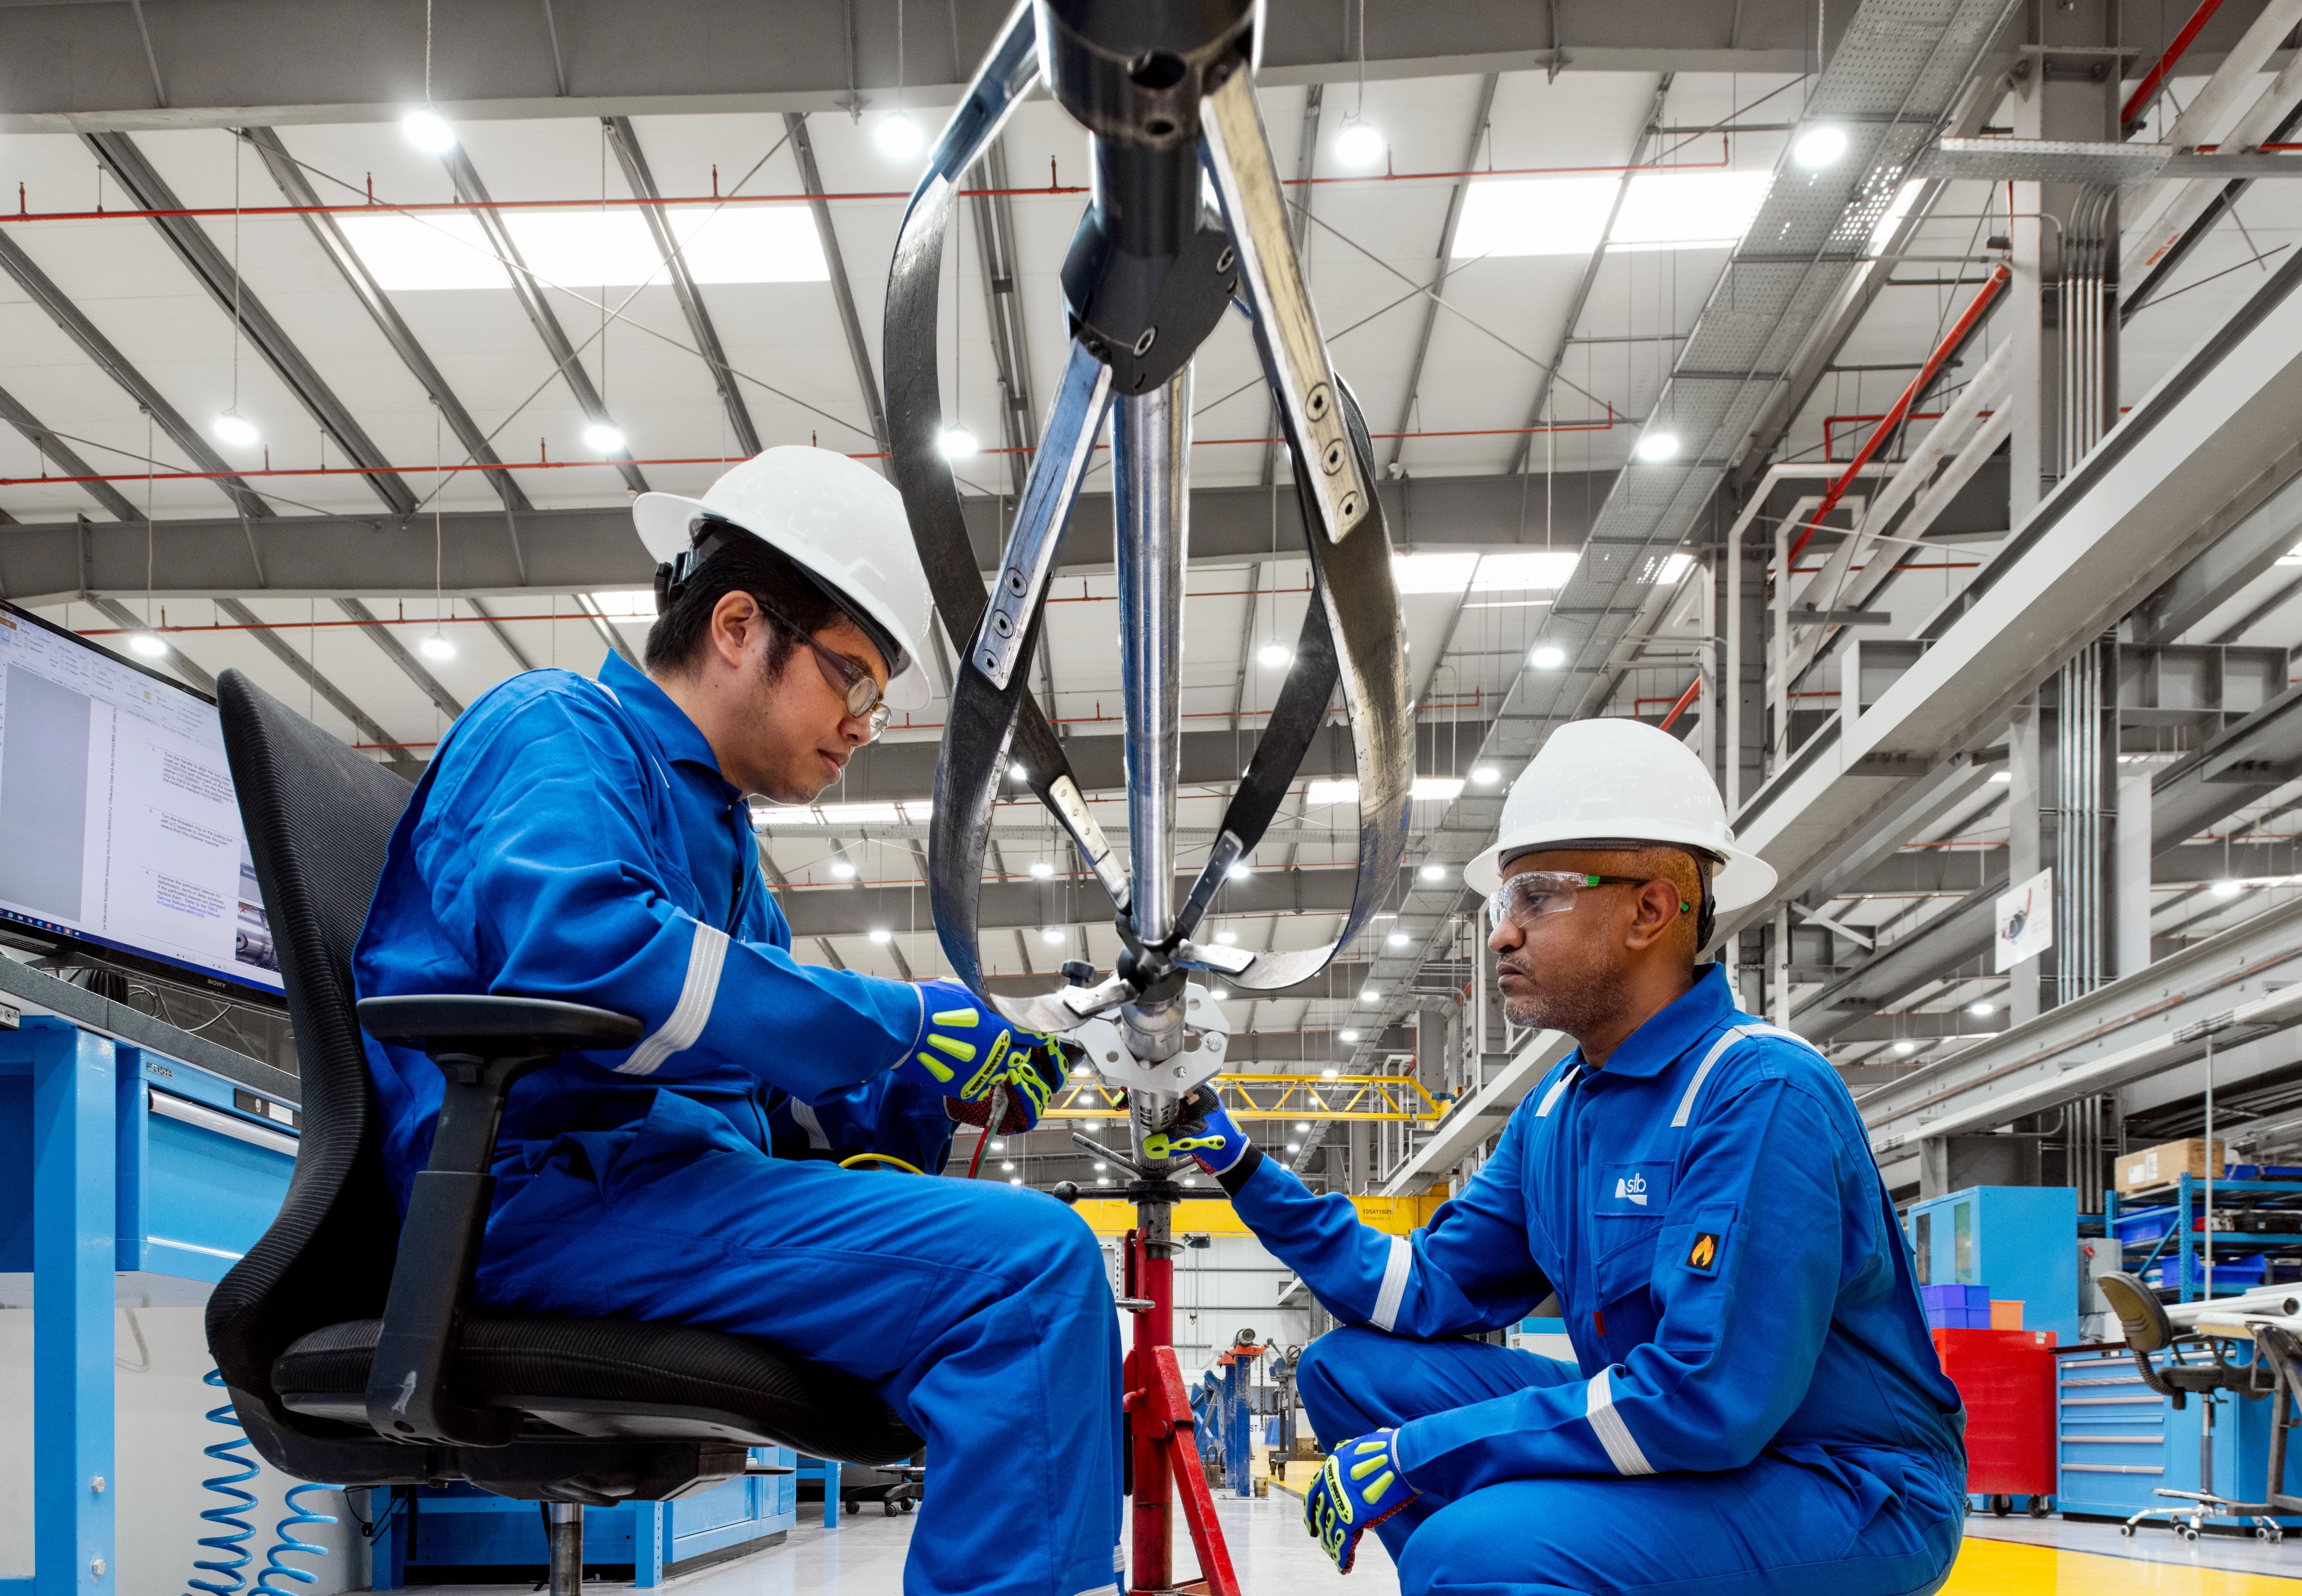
column 2006, row 1379
column 1163, row 1450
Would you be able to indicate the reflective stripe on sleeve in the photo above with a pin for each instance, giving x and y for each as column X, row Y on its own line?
column 803, row 1117
column 691, row 1012
column 1613, row 1434
column 1394, row 1284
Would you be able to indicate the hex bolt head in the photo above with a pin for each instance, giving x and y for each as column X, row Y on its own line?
column 97, row 1485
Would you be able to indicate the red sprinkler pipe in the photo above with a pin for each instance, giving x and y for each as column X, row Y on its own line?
column 2132, row 111
column 1894, row 417
column 1685, row 699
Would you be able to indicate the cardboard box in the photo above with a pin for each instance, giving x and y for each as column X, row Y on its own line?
column 2006, row 1315
column 2157, row 1166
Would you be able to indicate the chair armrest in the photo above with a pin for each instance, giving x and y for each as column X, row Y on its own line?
column 483, row 1046
column 459, row 1022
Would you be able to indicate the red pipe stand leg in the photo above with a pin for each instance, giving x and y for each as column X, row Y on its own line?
column 1161, row 1430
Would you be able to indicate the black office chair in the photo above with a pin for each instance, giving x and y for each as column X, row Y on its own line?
column 338, row 1378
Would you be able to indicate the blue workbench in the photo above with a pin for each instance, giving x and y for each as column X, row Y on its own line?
column 126, row 1171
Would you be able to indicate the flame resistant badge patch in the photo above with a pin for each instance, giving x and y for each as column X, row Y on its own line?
column 1703, row 1257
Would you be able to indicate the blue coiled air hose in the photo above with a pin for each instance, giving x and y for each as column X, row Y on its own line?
column 232, row 1546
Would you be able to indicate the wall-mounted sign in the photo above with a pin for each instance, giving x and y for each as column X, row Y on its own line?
column 2026, row 919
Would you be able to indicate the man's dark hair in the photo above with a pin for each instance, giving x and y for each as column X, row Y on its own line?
column 737, row 563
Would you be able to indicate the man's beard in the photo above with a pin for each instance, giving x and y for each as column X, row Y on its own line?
column 1576, row 1003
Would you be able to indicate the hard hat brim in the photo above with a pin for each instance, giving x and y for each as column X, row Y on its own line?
column 665, row 521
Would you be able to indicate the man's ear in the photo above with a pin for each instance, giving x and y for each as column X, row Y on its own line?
column 1657, row 913
column 735, row 619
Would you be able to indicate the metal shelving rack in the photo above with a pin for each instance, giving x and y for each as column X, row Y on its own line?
column 2181, row 1247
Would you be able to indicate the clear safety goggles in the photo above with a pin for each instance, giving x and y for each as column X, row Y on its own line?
column 859, row 690
column 1521, row 898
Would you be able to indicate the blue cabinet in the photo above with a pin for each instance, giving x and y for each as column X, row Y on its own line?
column 2118, row 1441
column 2019, row 1241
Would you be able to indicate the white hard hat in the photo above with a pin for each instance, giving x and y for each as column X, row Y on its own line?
column 1620, row 781
column 839, row 519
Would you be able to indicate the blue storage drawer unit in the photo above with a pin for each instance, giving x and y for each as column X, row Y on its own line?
column 2118, row 1441
column 457, row 1534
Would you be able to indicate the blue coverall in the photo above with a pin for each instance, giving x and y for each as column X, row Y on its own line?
column 574, row 839
column 1755, row 1405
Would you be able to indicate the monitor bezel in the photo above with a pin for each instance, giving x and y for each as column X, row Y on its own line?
column 87, row 947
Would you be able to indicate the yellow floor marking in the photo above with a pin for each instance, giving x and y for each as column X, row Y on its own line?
column 2009, row 1569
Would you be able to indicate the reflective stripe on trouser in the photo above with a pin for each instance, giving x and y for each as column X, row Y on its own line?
column 1772, row 1528
column 981, row 1312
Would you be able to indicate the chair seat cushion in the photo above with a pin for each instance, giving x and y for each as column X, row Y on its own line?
column 619, row 1379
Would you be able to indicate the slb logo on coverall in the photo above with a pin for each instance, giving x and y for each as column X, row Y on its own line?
column 1631, row 1188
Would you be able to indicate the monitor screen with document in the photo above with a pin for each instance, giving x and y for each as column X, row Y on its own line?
column 119, row 829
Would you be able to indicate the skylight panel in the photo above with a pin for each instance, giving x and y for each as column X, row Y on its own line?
column 1444, row 789
column 631, row 605
column 1531, row 570
column 591, row 250
column 759, row 243
column 859, row 814
column 413, row 254
column 1567, row 216
column 1904, row 198
column 1666, row 571
column 1689, row 210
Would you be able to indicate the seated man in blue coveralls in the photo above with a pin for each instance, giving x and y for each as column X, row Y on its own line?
column 590, row 841
column 1754, row 1405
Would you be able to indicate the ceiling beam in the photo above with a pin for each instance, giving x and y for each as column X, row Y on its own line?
column 72, row 67
column 377, row 632
column 843, row 288
column 65, row 457
column 367, row 725
column 297, row 191
column 123, row 616
column 1003, row 302
column 75, row 325
column 528, row 289
column 626, row 142
column 590, row 549
column 1455, row 195
column 228, row 286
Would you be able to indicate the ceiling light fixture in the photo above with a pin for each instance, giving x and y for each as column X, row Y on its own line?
column 1346, row 1035
column 436, row 647
column 1819, row 146
column 1398, row 939
column 1052, row 936
column 1655, row 447
column 1433, row 872
column 603, row 438
column 1984, row 1008
column 1228, row 939
column 1549, row 657
column 1369, row 994
column 2228, row 889
column 1275, row 654
column 1360, row 143
column 1294, row 1146
column 1041, row 870
column 428, row 130
column 1242, row 870
column 898, row 137
column 1486, row 776
column 235, row 431
column 957, row 443
column 846, row 870
column 882, row 936
column 1330, row 1074
column 1905, row 1049
column 147, row 645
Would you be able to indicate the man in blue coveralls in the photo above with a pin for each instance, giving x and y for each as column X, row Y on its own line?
column 590, row 841
column 1755, row 1406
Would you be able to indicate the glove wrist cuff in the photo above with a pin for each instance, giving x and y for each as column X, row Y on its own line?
column 1239, row 1174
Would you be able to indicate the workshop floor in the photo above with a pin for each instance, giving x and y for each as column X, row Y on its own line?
column 2016, row 1556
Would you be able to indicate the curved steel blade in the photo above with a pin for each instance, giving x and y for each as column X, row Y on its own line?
column 915, row 420
column 988, row 692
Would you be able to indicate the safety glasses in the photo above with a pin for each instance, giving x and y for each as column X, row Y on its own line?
column 859, row 690
column 1521, row 898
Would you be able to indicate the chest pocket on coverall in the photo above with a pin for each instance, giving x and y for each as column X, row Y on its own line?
column 1626, row 1215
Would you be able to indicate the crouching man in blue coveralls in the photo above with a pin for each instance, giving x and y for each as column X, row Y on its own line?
column 1754, row 1405
column 590, row 841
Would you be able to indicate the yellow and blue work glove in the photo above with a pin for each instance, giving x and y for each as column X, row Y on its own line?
column 1360, row 1485
column 965, row 1050
column 1207, row 1132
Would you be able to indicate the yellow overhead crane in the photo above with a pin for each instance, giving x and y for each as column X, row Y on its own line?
column 1393, row 1099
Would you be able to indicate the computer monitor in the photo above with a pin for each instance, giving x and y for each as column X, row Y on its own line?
column 119, row 828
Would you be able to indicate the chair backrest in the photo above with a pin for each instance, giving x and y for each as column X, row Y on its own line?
column 318, row 816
